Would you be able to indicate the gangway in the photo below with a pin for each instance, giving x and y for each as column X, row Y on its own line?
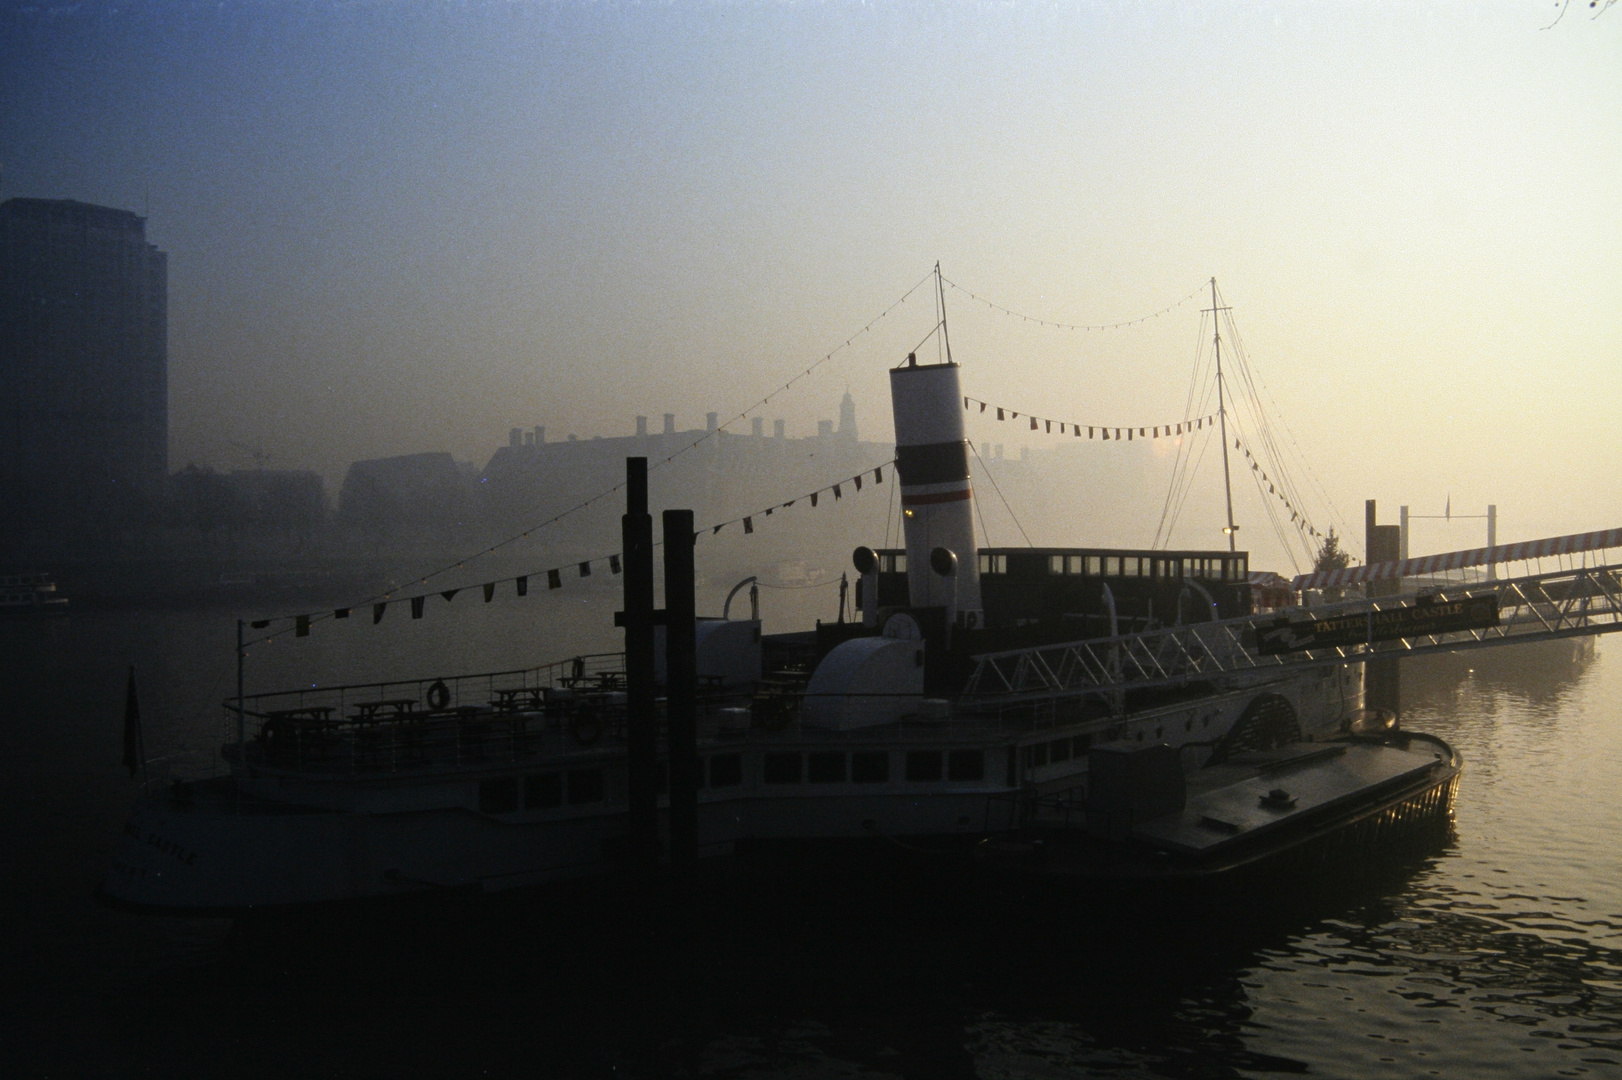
column 1569, row 602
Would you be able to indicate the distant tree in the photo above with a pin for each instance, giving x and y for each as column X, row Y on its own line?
column 1331, row 556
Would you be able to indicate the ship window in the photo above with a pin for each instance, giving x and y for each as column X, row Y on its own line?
column 1039, row 754
column 1112, row 565
column 993, row 564
column 870, row 768
column 1055, row 564
column 726, row 770
column 1059, row 750
column 585, row 786
column 782, row 768
column 1130, row 566
column 1241, row 568
column 893, row 563
column 826, row 768
column 1072, row 564
column 498, row 795
column 923, row 765
column 1094, row 565
column 542, row 791
column 966, row 765
column 1080, row 743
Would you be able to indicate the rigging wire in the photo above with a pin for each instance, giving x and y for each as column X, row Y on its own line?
column 1075, row 326
column 1004, row 498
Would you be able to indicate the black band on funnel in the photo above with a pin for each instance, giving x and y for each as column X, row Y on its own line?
column 933, row 463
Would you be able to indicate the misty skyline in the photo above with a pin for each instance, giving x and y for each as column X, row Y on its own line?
column 395, row 229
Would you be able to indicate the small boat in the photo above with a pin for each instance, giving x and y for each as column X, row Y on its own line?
column 1144, row 820
column 30, row 595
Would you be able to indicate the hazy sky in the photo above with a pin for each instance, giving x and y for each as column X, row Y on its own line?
column 396, row 227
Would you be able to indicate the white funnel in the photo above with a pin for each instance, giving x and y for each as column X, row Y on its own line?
column 937, row 508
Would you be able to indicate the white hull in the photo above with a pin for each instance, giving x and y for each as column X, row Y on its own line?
column 245, row 842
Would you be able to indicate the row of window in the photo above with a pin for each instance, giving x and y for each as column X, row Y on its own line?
column 1155, row 566
column 577, row 787
column 871, row 767
column 1056, row 751
column 541, row 791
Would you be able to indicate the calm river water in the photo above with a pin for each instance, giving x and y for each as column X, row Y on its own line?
column 1498, row 953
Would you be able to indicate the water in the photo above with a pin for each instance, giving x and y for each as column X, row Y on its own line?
column 1496, row 954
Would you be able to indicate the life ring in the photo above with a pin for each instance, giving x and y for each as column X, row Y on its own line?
column 438, row 696
column 585, row 727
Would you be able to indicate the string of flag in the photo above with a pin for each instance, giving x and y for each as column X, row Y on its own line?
column 1075, row 326
column 1103, row 432
column 387, row 597
column 1297, row 518
column 554, row 577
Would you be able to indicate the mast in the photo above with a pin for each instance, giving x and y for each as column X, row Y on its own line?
column 940, row 306
column 1222, row 413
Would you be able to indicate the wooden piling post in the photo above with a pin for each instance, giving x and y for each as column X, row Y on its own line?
column 641, row 719
column 681, row 688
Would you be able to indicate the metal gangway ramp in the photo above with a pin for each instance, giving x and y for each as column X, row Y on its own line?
column 1572, row 601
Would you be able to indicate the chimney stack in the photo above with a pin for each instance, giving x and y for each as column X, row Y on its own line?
column 757, row 427
column 540, row 435
column 777, row 429
column 670, row 423
column 515, row 437
column 641, row 426
column 712, row 421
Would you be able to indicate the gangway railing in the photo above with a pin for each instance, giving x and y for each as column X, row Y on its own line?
column 1562, row 603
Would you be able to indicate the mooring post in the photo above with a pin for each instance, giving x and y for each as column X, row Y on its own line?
column 641, row 719
column 1382, row 686
column 681, row 688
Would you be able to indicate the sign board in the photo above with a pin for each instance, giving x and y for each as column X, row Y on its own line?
column 1417, row 620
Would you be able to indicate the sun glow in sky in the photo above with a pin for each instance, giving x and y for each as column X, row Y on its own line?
column 411, row 226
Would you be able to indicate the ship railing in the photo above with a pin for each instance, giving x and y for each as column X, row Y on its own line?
column 1565, row 603
column 325, row 713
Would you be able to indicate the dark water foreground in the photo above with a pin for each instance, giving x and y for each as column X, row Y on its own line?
column 1496, row 951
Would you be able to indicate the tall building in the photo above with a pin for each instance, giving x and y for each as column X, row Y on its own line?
column 84, row 414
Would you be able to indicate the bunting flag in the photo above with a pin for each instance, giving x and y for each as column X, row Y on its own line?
column 554, row 576
column 1148, row 431
column 1298, row 517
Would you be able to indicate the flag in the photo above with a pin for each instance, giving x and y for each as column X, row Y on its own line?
column 554, row 579
column 748, row 525
column 489, row 591
column 523, row 585
column 1033, row 423
column 999, row 413
column 1448, row 513
column 768, row 511
column 982, row 406
column 1049, row 428
column 134, row 749
column 340, row 613
column 259, row 624
column 416, row 607
column 858, row 481
column 450, row 594
column 878, row 475
column 301, row 626
column 377, row 612
column 585, row 568
column 718, row 528
column 1106, row 433
column 613, row 564
column 837, row 493
column 814, row 498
